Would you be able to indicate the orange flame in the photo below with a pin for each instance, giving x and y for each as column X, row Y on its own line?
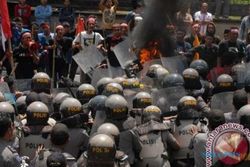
column 152, row 52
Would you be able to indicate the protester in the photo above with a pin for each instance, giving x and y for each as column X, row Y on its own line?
column 43, row 12
column 67, row 14
column 23, row 10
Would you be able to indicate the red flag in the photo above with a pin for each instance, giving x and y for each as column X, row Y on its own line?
column 5, row 19
column 79, row 25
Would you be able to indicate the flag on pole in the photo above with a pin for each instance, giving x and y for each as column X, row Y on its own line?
column 5, row 22
column 79, row 25
column 196, row 43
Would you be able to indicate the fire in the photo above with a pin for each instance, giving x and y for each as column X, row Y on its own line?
column 149, row 53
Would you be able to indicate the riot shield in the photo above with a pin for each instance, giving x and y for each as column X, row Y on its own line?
column 4, row 87
column 99, row 73
column 129, row 95
column 167, row 99
column 239, row 72
column 223, row 101
column 88, row 58
column 100, row 118
column 123, row 53
column 175, row 64
column 23, row 84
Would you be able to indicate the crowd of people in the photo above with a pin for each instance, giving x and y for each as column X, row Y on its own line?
column 153, row 111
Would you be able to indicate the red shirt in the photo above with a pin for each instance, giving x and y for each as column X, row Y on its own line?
column 24, row 12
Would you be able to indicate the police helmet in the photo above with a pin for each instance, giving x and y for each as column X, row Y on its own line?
column 152, row 70
column 142, row 100
column 151, row 113
column 131, row 83
column 116, row 107
column 21, row 105
column 37, row 113
column 41, row 82
column 108, row 129
column 200, row 66
column 191, row 78
column 112, row 88
column 224, row 81
column 85, row 92
column 70, row 107
column 97, row 103
column 58, row 99
column 102, row 83
column 187, row 108
column 101, row 151
column 7, row 110
column 172, row 80
column 243, row 115
column 160, row 73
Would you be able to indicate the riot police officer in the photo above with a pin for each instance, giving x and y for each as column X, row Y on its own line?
column 21, row 107
column 140, row 101
column 186, row 117
column 59, row 137
column 152, row 70
column 41, row 83
column 172, row 80
column 73, row 117
column 224, row 83
column 151, row 140
column 101, row 152
column 35, row 129
column 85, row 92
column 192, row 79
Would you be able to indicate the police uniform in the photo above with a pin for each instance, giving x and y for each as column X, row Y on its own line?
column 9, row 156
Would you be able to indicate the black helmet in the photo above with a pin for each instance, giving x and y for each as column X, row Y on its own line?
column 7, row 110
column 192, row 79
column 200, row 66
column 41, row 83
column 187, row 106
column 172, row 80
column 21, row 105
column 151, row 113
column 58, row 99
column 97, row 103
column 37, row 113
column 116, row 107
column 152, row 70
column 102, row 83
column 70, row 107
column 101, row 151
column 112, row 88
column 142, row 100
column 85, row 92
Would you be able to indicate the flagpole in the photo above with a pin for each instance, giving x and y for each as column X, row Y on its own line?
column 11, row 56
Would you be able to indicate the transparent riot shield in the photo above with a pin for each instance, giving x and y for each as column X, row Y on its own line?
column 123, row 53
column 99, row 119
column 167, row 99
column 23, row 84
column 239, row 72
column 99, row 73
column 223, row 101
column 4, row 88
column 88, row 58
column 144, row 79
column 175, row 64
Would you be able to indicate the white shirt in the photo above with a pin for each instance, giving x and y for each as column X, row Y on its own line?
column 200, row 17
column 88, row 39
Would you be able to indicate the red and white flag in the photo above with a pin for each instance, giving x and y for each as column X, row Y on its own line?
column 5, row 22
